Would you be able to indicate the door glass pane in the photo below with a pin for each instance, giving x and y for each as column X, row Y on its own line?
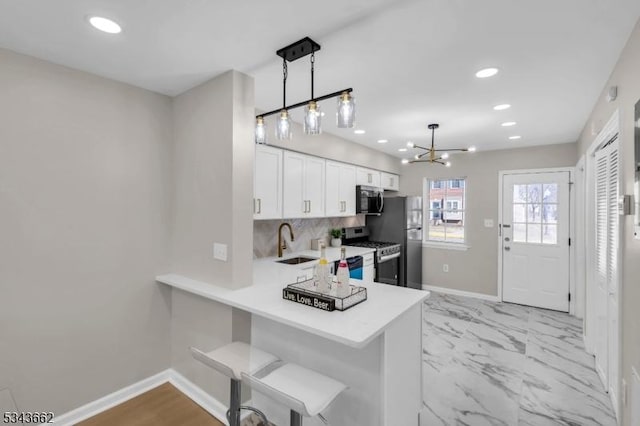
column 534, row 233
column 550, row 213
column 550, row 234
column 534, row 191
column 519, row 213
column 519, row 193
column 550, row 193
column 534, row 213
column 520, row 233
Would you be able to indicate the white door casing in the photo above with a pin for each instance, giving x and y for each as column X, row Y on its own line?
column 535, row 239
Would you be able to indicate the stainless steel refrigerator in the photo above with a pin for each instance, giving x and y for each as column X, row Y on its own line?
column 401, row 222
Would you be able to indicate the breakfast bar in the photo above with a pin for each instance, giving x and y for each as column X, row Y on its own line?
column 373, row 347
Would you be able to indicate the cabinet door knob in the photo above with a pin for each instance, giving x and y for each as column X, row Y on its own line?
column 259, row 206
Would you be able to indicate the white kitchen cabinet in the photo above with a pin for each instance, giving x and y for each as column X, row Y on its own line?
column 390, row 181
column 368, row 268
column 267, row 185
column 340, row 189
column 303, row 186
column 368, row 177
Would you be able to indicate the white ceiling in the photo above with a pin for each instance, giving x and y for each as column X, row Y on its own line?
column 410, row 62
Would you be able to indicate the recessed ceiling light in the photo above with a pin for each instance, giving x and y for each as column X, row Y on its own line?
column 502, row 107
column 359, row 132
column 105, row 24
column 402, row 149
column 508, row 124
column 487, row 72
column 514, row 137
column 405, row 161
column 411, row 144
column 383, row 141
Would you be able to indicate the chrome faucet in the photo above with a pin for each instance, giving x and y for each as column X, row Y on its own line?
column 282, row 244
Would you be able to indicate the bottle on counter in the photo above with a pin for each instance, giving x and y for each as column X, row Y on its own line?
column 322, row 275
column 343, row 289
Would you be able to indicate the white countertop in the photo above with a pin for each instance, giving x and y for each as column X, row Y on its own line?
column 355, row 327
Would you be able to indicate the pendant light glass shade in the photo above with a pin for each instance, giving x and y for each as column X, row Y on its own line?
column 312, row 119
column 261, row 131
column 346, row 111
column 283, row 126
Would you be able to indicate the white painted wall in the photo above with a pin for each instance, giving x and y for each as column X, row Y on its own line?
column 85, row 178
column 213, row 195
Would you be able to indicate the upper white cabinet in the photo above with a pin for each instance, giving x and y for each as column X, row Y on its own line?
column 267, row 185
column 367, row 177
column 390, row 181
column 340, row 189
column 304, row 183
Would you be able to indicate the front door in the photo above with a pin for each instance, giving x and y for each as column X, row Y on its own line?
column 535, row 239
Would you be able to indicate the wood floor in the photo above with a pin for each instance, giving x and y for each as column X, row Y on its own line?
column 162, row 406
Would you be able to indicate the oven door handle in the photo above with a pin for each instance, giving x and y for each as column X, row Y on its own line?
column 389, row 257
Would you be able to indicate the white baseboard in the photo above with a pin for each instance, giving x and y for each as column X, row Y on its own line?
column 118, row 397
column 196, row 394
column 460, row 293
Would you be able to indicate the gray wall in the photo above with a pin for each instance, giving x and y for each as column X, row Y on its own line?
column 476, row 270
column 626, row 76
column 213, row 195
column 85, row 177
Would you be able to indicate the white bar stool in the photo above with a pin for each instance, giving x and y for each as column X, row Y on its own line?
column 234, row 360
column 305, row 392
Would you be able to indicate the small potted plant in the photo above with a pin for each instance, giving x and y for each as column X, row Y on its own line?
column 336, row 237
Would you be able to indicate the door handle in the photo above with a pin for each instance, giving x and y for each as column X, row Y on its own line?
column 507, row 248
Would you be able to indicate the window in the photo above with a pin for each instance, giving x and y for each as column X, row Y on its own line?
column 535, row 213
column 456, row 183
column 445, row 219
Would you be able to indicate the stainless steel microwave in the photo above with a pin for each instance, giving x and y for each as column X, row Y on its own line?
column 369, row 200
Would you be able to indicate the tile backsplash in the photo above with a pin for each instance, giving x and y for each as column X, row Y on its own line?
column 265, row 233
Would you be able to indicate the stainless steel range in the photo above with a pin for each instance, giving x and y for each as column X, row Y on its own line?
column 387, row 255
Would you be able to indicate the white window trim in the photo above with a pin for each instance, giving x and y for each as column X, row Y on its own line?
column 446, row 245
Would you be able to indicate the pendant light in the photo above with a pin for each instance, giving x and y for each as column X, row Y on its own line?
column 312, row 117
column 346, row 111
column 312, row 113
column 261, row 130
column 432, row 154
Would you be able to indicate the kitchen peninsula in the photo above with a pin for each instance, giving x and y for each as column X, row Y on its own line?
column 373, row 347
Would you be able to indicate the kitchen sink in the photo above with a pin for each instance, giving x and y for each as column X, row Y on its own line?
column 297, row 260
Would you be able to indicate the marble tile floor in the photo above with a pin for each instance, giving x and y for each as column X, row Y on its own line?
column 487, row 363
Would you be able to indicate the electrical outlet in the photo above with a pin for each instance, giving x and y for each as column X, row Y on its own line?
column 220, row 251
column 488, row 223
column 445, row 267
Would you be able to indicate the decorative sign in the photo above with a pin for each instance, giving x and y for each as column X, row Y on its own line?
column 319, row 302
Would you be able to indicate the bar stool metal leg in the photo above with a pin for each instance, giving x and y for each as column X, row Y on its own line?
column 234, row 404
column 295, row 419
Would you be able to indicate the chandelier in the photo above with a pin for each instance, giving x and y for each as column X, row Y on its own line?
column 312, row 116
column 433, row 155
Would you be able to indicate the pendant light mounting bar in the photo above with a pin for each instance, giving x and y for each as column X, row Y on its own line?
column 303, row 103
column 299, row 49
